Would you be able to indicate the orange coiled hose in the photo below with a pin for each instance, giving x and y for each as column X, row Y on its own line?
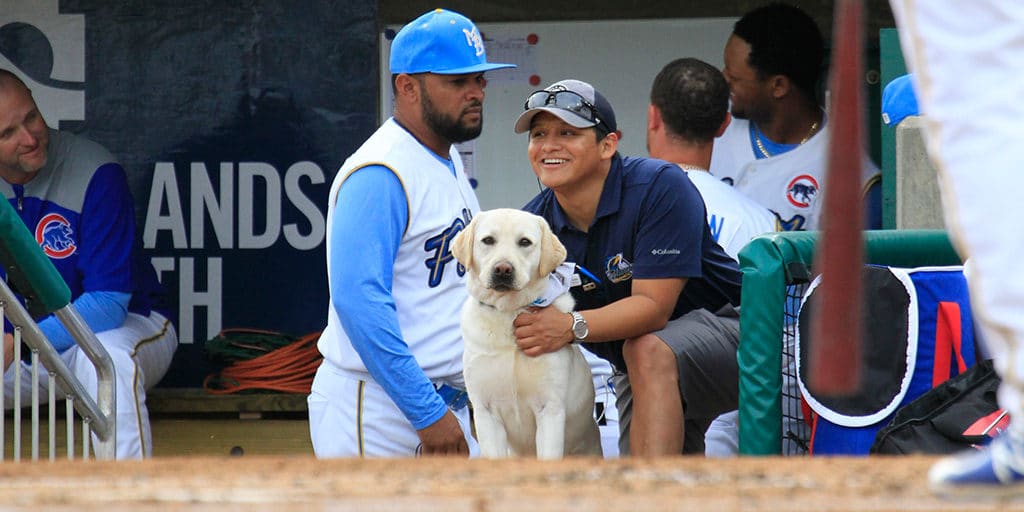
column 287, row 369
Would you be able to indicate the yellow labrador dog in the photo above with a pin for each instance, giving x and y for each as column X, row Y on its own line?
column 522, row 406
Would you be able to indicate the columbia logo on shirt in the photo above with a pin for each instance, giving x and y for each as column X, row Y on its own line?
column 661, row 252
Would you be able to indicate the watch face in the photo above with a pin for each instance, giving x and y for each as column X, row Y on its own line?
column 579, row 327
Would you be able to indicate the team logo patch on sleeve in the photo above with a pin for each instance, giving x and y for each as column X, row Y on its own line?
column 54, row 236
column 801, row 190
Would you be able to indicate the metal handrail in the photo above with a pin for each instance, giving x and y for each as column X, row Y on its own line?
column 99, row 414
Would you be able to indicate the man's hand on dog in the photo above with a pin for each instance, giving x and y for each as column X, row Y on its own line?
column 543, row 330
column 443, row 437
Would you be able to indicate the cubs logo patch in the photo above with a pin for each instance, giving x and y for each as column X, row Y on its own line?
column 618, row 269
column 54, row 236
column 801, row 190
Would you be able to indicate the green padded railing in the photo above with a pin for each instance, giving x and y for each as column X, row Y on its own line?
column 770, row 263
column 46, row 291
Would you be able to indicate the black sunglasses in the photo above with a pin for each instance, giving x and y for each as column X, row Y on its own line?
column 566, row 100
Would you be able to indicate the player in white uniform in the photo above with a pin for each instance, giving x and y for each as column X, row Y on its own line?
column 734, row 218
column 775, row 150
column 688, row 110
column 391, row 382
column 966, row 58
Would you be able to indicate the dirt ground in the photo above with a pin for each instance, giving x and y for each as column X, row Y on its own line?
column 438, row 484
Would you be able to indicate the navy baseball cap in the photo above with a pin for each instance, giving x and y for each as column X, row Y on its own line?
column 441, row 42
column 899, row 100
column 572, row 101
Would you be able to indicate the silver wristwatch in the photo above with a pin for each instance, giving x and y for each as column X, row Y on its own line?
column 580, row 330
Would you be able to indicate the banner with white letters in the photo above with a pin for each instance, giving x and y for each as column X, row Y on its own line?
column 231, row 119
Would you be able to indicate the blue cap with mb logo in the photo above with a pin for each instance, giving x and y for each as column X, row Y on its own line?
column 441, row 42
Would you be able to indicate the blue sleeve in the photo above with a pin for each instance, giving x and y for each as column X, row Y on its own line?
column 101, row 311
column 873, row 206
column 372, row 208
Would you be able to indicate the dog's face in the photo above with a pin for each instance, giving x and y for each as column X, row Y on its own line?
column 505, row 249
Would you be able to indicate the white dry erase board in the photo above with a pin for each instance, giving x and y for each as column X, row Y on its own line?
column 620, row 58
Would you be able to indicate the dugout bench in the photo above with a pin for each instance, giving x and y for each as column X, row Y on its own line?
column 254, row 403
column 190, row 421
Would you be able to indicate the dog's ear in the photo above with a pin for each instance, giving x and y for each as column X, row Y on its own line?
column 462, row 245
column 552, row 252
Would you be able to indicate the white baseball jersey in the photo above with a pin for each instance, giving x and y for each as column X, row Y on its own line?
column 427, row 288
column 733, row 217
column 966, row 59
column 789, row 184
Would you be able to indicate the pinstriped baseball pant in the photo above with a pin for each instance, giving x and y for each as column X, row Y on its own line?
column 141, row 351
column 353, row 417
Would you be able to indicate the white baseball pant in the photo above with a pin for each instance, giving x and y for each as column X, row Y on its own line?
column 966, row 58
column 354, row 417
column 141, row 351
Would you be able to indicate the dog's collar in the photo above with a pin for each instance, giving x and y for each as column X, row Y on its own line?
column 484, row 304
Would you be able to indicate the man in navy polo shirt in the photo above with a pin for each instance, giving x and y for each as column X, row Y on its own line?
column 656, row 296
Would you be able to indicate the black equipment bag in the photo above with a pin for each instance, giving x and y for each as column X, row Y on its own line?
column 958, row 414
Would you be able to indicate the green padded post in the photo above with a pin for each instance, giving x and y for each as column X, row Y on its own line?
column 29, row 271
column 765, row 262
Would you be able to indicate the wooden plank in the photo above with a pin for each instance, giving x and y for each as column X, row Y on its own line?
column 174, row 437
column 177, row 437
column 170, row 401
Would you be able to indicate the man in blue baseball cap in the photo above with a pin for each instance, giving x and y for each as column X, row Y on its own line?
column 391, row 381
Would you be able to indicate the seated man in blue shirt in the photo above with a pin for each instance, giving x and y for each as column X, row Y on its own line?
column 656, row 296
column 73, row 195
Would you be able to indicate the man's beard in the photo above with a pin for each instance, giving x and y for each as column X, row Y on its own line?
column 738, row 113
column 448, row 128
column 754, row 113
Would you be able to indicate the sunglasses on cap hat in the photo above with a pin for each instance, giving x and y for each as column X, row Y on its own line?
column 566, row 100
